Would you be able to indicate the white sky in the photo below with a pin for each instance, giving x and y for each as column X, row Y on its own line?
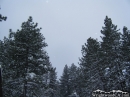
column 66, row 24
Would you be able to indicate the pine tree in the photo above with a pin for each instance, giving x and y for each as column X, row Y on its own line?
column 72, row 77
column 1, row 48
column 125, row 46
column 79, row 82
column 53, row 87
column 111, row 56
column 90, row 66
column 7, row 72
column 27, row 55
column 64, row 83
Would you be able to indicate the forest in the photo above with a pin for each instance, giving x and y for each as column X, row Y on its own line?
column 28, row 72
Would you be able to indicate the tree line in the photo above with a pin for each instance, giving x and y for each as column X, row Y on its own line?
column 28, row 72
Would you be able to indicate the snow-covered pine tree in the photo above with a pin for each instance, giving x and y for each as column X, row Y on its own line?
column 53, row 87
column 52, row 77
column 125, row 46
column 72, row 77
column 27, row 56
column 70, row 81
column 111, row 56
column 1, row 48
column 7, row 72
column 79, row 85
column 64, row 83
column 90, row 67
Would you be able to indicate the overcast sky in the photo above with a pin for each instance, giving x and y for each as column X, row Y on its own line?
column 66, row 24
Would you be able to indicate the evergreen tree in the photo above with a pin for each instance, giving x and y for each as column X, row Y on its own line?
column 53, row 78
column 7, row 72
column 27, row 54
column 64, row 83
column 1, row 48
column 90, row 67
column 52, row 90
column 72, row 77
column 79, row 82
column 126, row 43
column 111, row 56
column 125, row 46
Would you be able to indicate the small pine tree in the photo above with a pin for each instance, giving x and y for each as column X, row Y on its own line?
column 72, row 77
column 64, row 83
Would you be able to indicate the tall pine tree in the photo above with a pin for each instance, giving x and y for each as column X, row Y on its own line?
column 27, row 55
column 125, row 46
column 111, row 58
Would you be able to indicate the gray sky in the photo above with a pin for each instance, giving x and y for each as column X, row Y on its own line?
column 66, row 24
